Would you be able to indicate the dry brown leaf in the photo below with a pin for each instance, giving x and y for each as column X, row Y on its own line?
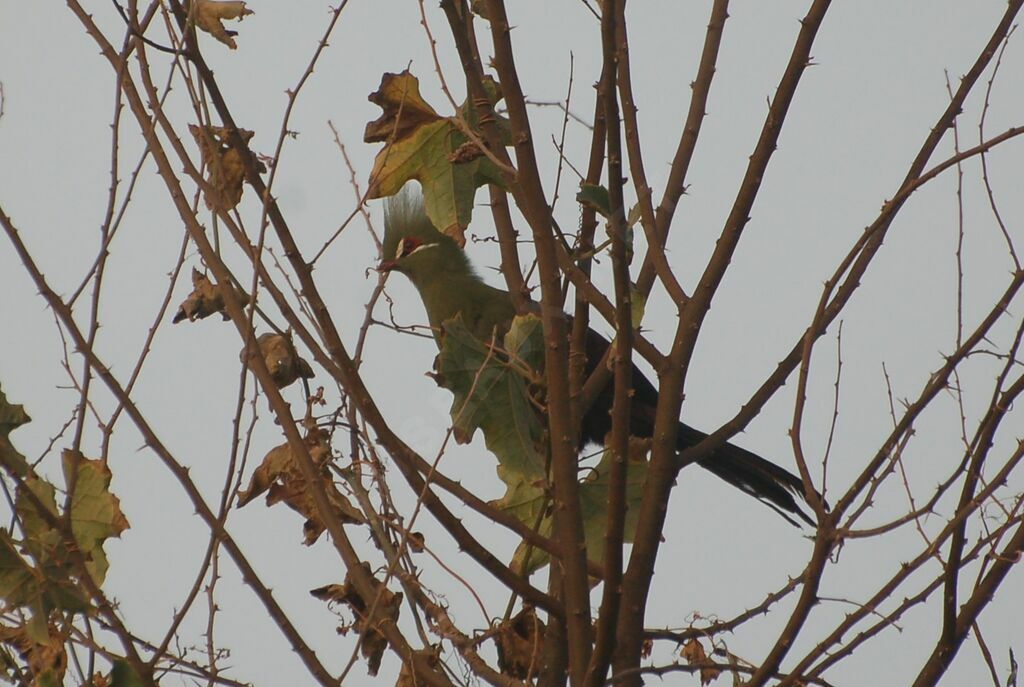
column 331, row 593
column 709, row 674
column 695, row 655
column 479, row 8
column 405, row 110
column 372, row 641
column 223, row 162
column 209, row 16
column 693, row 652
column 38, row 657
column 205, row 299
column 416, row 542
column 282, row 361
column 519, row 641
column 279, row 476
column 407, row 678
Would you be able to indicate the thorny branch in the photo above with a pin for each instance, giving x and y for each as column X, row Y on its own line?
column 970, row 526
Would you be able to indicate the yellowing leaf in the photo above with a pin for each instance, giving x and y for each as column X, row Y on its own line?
column 95, row 512
column 42, row 573
column 423, row 145
column 40, row 538
column 209, row 16
column 492, row 393
column 53, row 582
column 12, row 416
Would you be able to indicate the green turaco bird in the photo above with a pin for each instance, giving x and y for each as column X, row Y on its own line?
column 441, row 272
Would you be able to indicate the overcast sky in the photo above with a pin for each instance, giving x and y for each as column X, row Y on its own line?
column 859, row 117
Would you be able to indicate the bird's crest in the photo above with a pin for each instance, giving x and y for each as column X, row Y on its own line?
column 408, row 230
column 406, row 218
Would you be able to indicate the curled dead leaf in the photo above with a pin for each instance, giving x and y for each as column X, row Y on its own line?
column 479, row 8
column 224, row 164
column 281, row 359
column 519, row 641
column 694, row 654
column 416, row 542
column 404, row 108
column 206, row 299
column 210, row 15
column 280, row 478
column 372, row 641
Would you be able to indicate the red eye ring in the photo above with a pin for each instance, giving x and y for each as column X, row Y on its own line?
column 407, row 246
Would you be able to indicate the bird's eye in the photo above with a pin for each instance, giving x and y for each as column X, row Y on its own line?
column 410, row 245
column 407, row 246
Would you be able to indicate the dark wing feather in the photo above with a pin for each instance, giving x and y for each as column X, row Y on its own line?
column 747, row 471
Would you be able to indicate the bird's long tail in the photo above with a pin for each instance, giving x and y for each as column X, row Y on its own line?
column 750, row 473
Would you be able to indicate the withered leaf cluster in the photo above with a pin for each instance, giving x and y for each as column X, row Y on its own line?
column 280, row 478
column 385, row 607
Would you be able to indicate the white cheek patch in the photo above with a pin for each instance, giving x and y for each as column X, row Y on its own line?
column 424, row 246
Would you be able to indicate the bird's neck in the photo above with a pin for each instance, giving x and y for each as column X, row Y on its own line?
column 449, row 293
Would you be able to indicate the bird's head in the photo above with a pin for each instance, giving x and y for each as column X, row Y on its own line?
column 412, row 245
column 400, row 257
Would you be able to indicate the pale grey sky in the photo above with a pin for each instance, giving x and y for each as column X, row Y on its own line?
column 859, row 117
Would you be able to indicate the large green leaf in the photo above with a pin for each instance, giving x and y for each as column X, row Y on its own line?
column 40, row 538
column 95, row 512
column 593, row 491
column 37, row 571
column 492, row 393
column 594, row 497
column 11, row 417
column 499, row 391
column 39, row 589
column 18, row 582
